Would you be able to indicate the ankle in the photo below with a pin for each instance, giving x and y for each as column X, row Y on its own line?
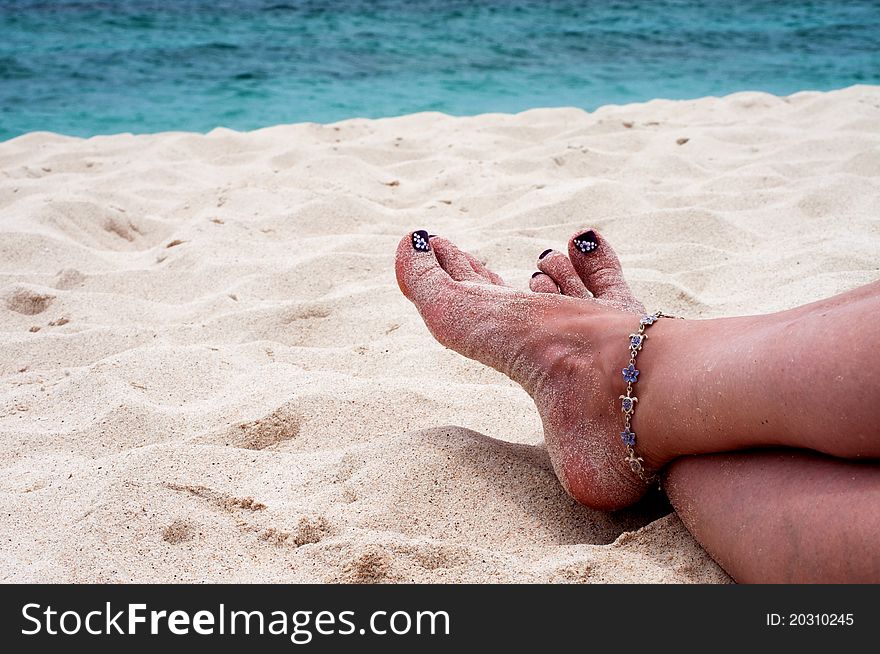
column 689, row 389
column 653, row 417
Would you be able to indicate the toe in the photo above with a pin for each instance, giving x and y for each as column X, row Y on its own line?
column 454, row 261
column 597, row 265
column 542, row 283
column 419, row 273
column 480, row 268
column 559, row 268
column 483, row 321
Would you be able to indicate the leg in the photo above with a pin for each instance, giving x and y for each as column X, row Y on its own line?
column 798, row 378
column 757, row 366
column 782, row 517
column 802, row 374
column 785, row 516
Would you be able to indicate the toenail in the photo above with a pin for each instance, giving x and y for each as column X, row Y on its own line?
column 535, row 274
column 545, row 253
column 586, row 242
column 420, row 241
column 432, row 235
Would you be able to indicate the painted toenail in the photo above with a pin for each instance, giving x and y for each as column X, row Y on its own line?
column 586, row 242
column 536, row 273
column 545, row 253
column 420, row 241
column 432, row 235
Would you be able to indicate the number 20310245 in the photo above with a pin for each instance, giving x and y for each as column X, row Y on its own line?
column 810, row 620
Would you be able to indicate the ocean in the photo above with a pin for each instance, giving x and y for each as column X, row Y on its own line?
column 85, row 68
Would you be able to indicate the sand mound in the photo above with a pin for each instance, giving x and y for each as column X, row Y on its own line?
column 207, row 371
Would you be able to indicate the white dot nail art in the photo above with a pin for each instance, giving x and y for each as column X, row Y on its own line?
column 420, row 241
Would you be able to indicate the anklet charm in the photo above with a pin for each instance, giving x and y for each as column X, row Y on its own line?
column 628, row 401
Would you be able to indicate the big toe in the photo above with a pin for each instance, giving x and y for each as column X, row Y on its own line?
column 462, row 309
column 419, row 273
column 598, row 266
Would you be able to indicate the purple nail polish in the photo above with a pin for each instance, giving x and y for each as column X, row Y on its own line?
column 420, row 241
column 545, row 253
column 586, row 242
column 536, row 273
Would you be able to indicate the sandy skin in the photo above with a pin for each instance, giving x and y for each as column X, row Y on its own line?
column 794, row 379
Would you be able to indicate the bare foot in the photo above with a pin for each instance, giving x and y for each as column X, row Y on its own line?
column 565, row 351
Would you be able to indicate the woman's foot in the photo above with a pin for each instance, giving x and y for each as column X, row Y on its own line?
column 566, row 352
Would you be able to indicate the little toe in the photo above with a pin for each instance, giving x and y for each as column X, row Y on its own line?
column 598, row 266
column 557, row 266
column 542, row 283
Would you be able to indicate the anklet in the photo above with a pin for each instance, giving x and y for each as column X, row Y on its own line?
column 628, row 401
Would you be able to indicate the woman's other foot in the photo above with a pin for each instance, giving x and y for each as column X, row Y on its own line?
column 591, row 270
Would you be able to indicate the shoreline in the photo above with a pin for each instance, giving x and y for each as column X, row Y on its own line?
column 611, row 106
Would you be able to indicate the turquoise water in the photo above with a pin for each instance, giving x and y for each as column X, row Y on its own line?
column 86, row 68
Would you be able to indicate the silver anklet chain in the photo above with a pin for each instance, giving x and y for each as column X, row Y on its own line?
column 628, row 401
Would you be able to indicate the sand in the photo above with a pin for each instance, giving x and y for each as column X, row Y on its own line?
column 207, row 372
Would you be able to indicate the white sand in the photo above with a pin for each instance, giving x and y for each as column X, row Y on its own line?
column 207, row 371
